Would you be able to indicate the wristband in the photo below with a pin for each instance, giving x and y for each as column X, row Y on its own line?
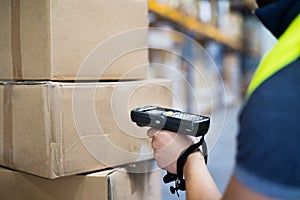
column 179, row 180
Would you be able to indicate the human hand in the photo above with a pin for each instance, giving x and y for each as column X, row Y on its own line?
column 167, row 147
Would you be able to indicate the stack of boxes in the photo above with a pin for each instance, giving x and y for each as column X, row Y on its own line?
column 70, row 73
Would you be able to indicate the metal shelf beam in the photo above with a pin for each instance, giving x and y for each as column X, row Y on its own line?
column 193, row 24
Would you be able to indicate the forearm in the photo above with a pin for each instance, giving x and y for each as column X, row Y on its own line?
column 199, row 183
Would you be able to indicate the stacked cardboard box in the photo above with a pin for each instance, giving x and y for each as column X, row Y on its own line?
column 65, row 110
column 54, row 129
column 51, row 39
column 104, row 185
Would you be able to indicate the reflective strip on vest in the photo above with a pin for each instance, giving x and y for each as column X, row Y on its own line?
column 285, row 52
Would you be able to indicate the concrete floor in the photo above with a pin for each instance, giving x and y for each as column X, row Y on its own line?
column 221, row 140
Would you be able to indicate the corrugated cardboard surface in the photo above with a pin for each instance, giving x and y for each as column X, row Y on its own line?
column 52, row 39
column 115, row 184
column 55, row 129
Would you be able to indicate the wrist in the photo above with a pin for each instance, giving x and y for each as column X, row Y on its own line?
column 185, row 156
column 197, row 154
column 192, row 161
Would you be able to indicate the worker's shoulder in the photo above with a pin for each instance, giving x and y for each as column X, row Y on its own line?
column 274, row 109
column 282, row 86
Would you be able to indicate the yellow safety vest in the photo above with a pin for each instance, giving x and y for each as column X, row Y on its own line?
column 285, row 52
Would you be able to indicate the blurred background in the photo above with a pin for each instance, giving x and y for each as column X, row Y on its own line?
column 210, row 50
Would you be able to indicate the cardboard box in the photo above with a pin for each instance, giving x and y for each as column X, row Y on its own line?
column 112, row 184
column 54, row 39
column 54, row 129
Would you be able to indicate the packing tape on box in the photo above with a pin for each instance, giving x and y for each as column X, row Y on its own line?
column 8, row 127
column 16, row 39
